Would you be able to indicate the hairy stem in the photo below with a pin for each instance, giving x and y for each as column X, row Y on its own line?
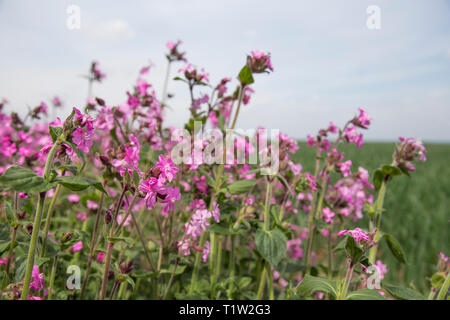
column 37, row 223
column 52, row 278
column 378, row 213
column 92, row 247
column 110, row 247
column 49, row 217
column 348, row 279
column 443, row 292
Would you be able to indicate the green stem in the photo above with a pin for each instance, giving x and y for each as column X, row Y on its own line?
column 330, row 261
column 52, row 278
column 432, row 294
column 311, row 215
column 212, row 261
column 230, row 288
column 113, row 291
column 261, row 284
column 110, row 247
column 348, row 279
column 32, row 248
column 138, row 230
column 197, row 264
column 171, row 279
column 49, row 216
column 443, row 292
column 270, row 281
column 378, row 214
column 93, row 245
column 37, row 223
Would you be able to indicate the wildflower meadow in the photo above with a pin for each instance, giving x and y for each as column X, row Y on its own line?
column 111, row 203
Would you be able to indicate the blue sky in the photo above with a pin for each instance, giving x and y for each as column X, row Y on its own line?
column 327, row 62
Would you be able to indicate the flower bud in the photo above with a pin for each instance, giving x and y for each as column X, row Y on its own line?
column 108, row 216
column 126, row 267
column 66, row 237
column 21, row 215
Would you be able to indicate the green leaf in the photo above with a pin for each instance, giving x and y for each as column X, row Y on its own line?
column 55, row 132
column 353, row 250
column 241, row 186
column 403, row 293
column 437, row 280
column 24, row 180
column 271, row 245
column 365, row 294
column 395, row 248
column 41, row 260
column 179, row 270
column 4, row 245
column 219, row 229
column 391, row 171
column 404, row 170
column 378, row 177
column 119, row 239
column 211, row 182
column 340, row 246
column 129, row 280
column 244, row 281
column 311, row 284
column 76, row 183
column 245, row 76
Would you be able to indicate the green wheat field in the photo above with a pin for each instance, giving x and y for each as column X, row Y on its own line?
column 417, row 209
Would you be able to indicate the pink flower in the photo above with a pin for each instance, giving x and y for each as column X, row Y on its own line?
column 120, row 217
column 172, row 195
column 92, row 204
column 198, row 223
column 357, row 234
column 83, row 139
column 352, row 136
column 82, row 216
column 294, row 248
column 328, row 215
column 259, row 61
column 344, row 167
column 363, row 120
column 216, row 212
column 332, row 128
column 5, row 260
column 151, row 188
column 310, row 140
column 73, row 198
column 77, row 246
column 168, row 169
column 37, row 279
column 100, row 257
